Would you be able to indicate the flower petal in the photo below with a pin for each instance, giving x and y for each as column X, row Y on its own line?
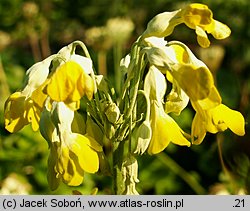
column 232, row 119
column 67, row 168
column 164, row 131
column 177, row 100
column 87, row 157
column 14, row 109
column 198, row 129
column 202, row 38
column 155, row 84
column 197, row 15
column 213, row 100
column 196, row 82
column 84, row 62
column 221, row 31
column 69, row 83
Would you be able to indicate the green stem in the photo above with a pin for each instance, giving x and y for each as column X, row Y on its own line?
column 118, row 153
column 177, row 169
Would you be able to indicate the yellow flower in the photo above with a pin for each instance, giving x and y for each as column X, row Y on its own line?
column 20, row 110
column 71, row 154
column 74, row 156
column 14, row 118
column 200, row 18
column 164, row 130
column 69, row 83
column 214, row 120
column 181, row 66
column 25, row 106
column 195, row 16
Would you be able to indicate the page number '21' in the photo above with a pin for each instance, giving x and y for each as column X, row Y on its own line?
column 239, row 203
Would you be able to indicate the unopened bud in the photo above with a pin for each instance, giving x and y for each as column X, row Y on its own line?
column 143, row 136
column 112, row 113
column 130, row 175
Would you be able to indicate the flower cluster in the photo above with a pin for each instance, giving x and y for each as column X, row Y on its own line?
column 140, row 119
column 190, row 79
column 49, row 101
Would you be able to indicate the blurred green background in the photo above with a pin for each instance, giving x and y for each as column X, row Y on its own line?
column 32, row 30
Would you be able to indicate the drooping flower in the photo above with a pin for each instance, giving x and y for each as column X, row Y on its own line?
column 70, row 79
column 25, row 106
column 200, row 17
column 71, row 154
column 192, row 80
column 195, row 16
column 67, row 81
column 181, row 66
column 164, row 128
column 214, row 120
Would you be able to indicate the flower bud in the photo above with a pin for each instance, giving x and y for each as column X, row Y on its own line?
column 130, row 175
column 155, row 85
column 163, row 24
column 143, row 136
column 112, row 113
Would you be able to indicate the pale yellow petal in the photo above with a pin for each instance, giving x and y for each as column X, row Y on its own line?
column 197, row 15
column 66, row 83
column 39, row 97
column 87, row 157
column 163, row 24
column 87, row 85
column 155, row 84
column 181, row 54
column 198, row 129
column 221, row 31
column 33, row 115
column 164, row 131
column 14, row 118
column 196, row 82
column 213, row 100
column 202, row 38
column 232, row 119
column 177, row 100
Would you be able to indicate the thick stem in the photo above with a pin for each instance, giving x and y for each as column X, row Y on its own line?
column 118, row 182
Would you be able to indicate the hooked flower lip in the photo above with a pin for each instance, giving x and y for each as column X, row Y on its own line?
column 200, row 17
column 216, row 119
column 195, row 16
